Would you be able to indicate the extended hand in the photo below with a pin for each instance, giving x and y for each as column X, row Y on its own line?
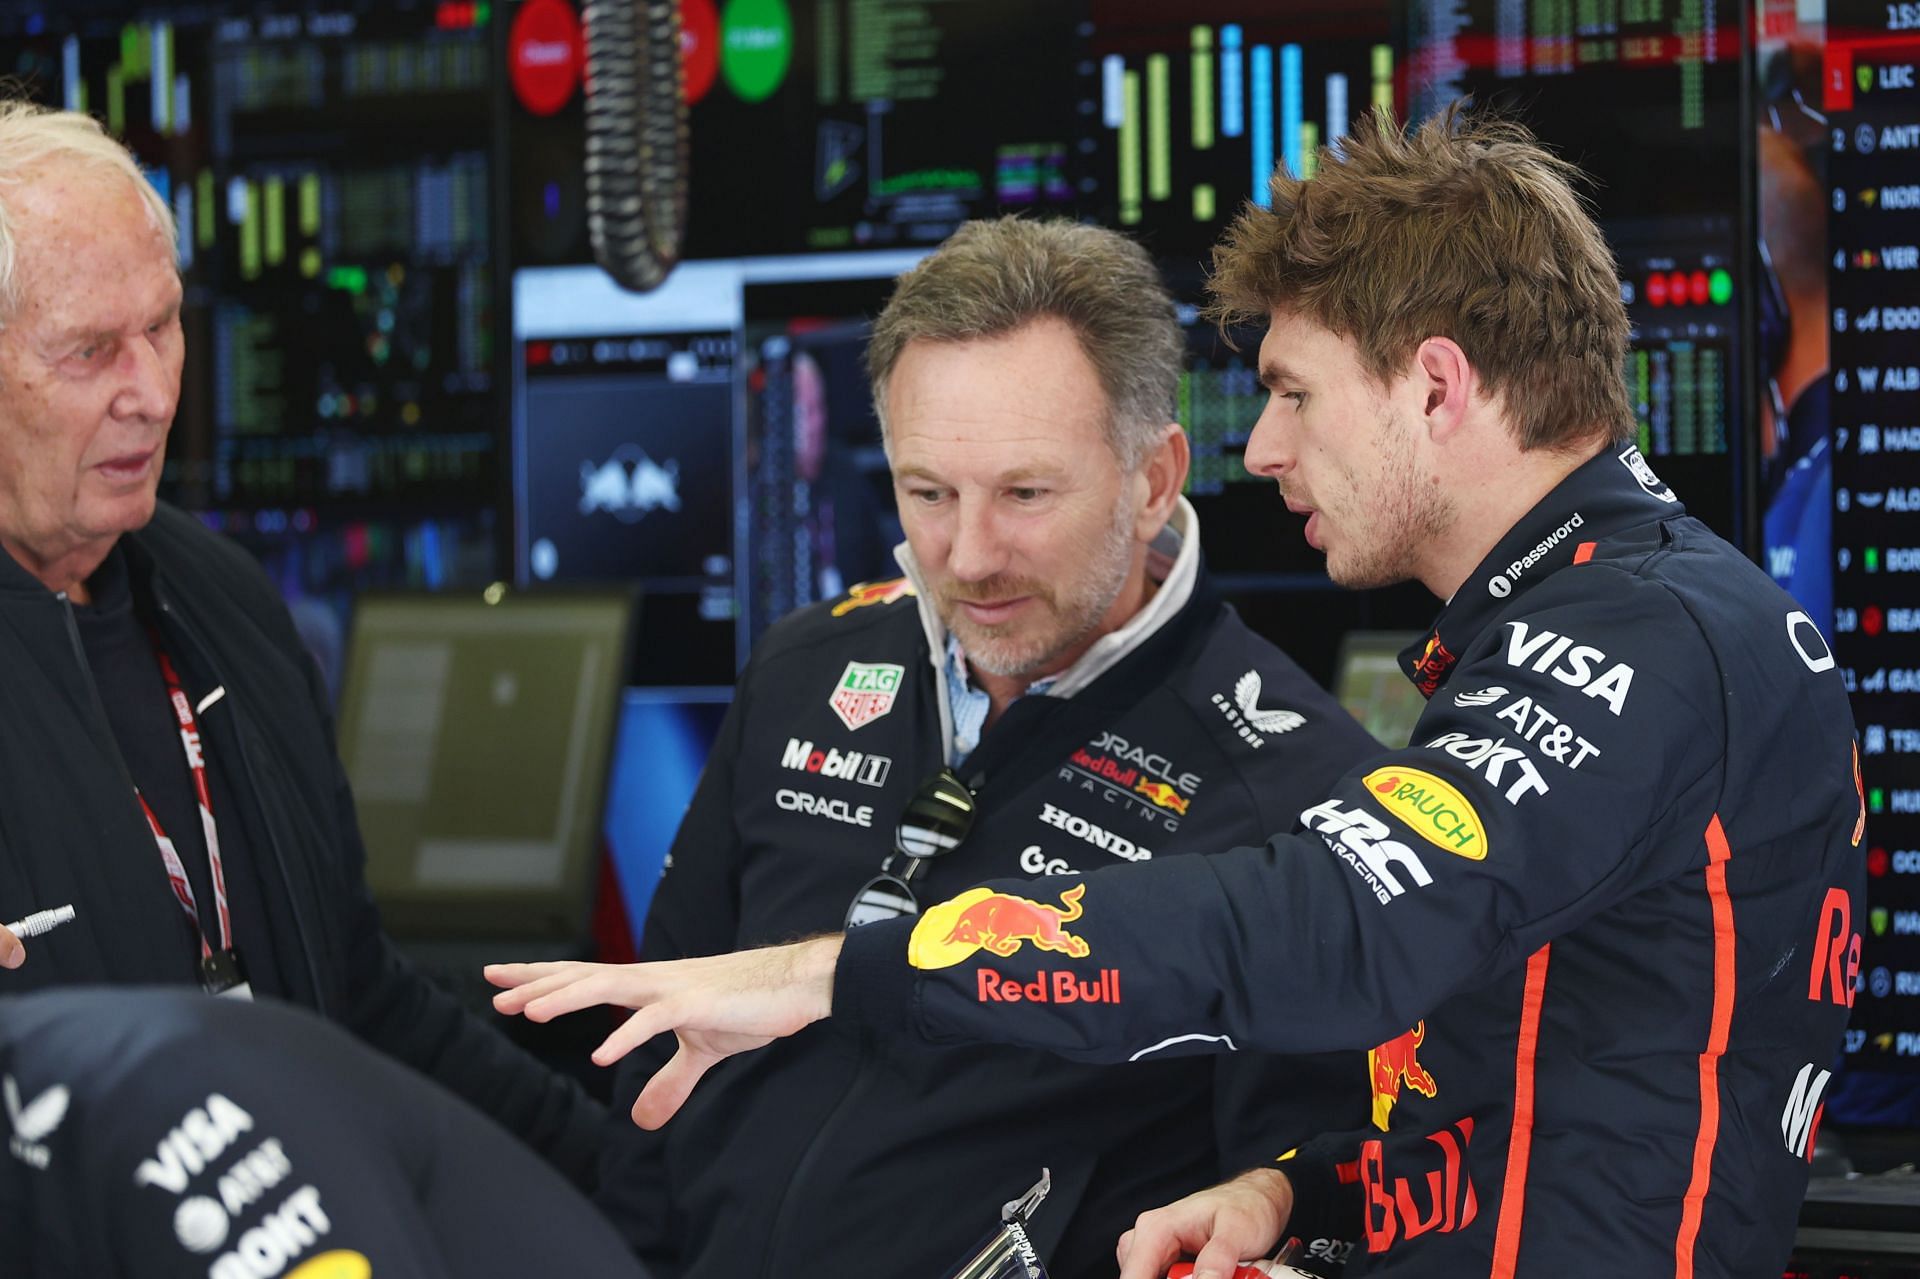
column 12, row 953
column 716, row 1007
column 1219, row 1226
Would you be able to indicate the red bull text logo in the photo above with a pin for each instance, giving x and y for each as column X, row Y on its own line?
column 873, row 593
column 1163, row 795
column 1394, row 1210
column 999, row 923
column 1106, row 769
column 1394, row 1065
column 1049, row 988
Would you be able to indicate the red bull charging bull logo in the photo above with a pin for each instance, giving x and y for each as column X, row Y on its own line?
column 1394, row 1065
column 873, row 593
column 1163, row 795
column 999, row 923
column 1432, row 667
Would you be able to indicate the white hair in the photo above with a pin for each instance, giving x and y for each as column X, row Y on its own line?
column 30, row 136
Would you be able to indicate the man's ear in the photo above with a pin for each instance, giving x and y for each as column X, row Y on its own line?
column 1446, row 382
column 1164, row 473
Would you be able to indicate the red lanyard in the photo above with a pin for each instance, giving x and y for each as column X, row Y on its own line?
column 197, row 764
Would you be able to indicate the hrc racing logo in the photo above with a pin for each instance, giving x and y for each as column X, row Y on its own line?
column 1436, row 811
column 1364, row 843
column 851, row 766
column 873, row 593
column 999, row 923
column 866, row 691
column 1396, row 1064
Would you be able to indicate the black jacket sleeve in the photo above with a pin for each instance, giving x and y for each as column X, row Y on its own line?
column 1422, row 873
column 695, row 911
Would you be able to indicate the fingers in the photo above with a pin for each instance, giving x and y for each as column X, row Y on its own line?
column 669, row 1089
column 1218, row 1260
column 511, row 975
column 596, row 984
column 527, row 989
column 12, row 952
column 568, row 987
column 1146, row 1251
column 631, row 1033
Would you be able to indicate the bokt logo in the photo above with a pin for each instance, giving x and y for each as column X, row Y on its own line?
column 1433, row 809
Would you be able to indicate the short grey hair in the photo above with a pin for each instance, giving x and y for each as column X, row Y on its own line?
column 30, row 136
column 993, row 277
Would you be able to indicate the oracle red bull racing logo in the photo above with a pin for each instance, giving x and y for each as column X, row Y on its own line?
column 1395, row 1065
column 1140, row 782
column 873, row 593
column 999, row 923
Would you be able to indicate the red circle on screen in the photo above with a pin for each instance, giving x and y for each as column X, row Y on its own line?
column 699, row 47
column 544, row 55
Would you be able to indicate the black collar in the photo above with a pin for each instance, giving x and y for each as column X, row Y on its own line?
column 1611, row 492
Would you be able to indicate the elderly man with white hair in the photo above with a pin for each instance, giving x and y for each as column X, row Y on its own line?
column 167, row 766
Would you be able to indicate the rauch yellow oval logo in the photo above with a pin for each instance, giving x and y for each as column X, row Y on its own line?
column 1436, row 811
column 338, row 1264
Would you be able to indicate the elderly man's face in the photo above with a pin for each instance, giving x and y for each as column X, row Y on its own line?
column 89, row 364
column 1016, row 507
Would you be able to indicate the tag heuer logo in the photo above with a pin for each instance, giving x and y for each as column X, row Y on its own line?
column 866, row 691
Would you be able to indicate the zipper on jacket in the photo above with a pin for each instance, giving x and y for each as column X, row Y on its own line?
column 93, row 691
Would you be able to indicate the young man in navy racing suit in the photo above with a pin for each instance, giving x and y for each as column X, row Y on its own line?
column 1598, row 917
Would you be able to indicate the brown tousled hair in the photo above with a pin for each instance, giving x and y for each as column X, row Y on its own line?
column 1466, row 228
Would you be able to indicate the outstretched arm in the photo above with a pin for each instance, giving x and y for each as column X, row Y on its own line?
column 716, row 1006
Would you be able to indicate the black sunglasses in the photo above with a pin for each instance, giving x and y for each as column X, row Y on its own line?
column 936, row 820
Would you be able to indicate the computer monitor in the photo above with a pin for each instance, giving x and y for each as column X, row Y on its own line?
column 330, row 165
column 665, row 736
column 476, row 732
column 1840, row 465
column 1373, row 688
column 1646, row 100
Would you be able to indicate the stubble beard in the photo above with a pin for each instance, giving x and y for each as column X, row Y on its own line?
column 1405, row 513
column 1075, row 609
